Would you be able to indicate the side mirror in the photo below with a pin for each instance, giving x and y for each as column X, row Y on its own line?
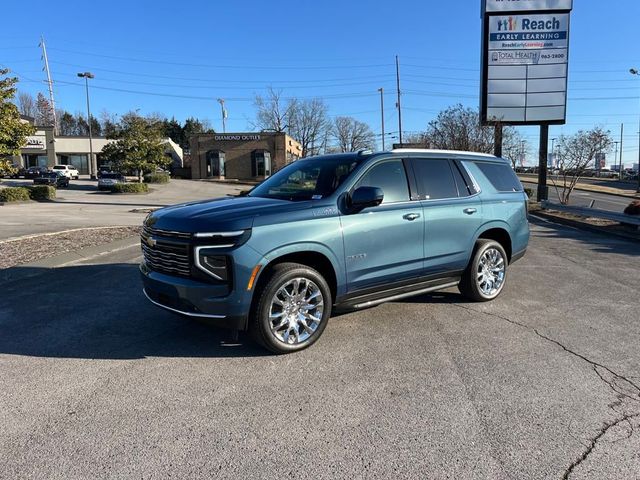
column 364, row 197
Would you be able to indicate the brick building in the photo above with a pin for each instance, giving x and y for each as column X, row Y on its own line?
column 253, row 155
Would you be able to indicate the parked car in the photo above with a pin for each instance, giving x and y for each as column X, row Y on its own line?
column 108, row 179
column 55, row 179
column 333, row 232
column 68, row 170
column 34, row 172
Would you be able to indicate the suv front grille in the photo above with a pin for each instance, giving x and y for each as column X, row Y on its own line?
column 166, row 257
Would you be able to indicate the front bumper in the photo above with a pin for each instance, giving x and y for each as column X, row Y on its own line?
column 221, row 305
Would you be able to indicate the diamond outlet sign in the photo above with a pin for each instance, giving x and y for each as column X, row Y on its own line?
column 525, row 60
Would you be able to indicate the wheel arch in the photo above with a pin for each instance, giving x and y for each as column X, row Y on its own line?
column 310, row 255
column 498, row 232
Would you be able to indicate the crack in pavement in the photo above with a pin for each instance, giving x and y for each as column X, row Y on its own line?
column 594, row 441
column 631, row 385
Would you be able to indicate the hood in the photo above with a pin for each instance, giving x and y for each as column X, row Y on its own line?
column 218, row 215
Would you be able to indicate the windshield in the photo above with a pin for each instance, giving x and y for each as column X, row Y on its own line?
column 110, row 175
column 309, row 179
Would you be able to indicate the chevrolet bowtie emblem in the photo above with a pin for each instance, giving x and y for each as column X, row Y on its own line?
column 150, row 241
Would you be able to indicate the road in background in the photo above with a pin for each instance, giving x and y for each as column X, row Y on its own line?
column 540, row 383
column 582, row 198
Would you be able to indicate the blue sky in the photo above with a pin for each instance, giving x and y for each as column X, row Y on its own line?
column 176, row 58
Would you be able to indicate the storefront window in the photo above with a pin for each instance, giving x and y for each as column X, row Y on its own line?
column 261, row 163
column 214, row 163
column 78, row 161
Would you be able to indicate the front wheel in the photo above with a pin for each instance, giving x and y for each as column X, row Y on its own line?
column 292, row 308
column 486, row 274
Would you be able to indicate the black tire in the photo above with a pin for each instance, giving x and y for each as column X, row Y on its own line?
column 469, row 285
column 277, row 277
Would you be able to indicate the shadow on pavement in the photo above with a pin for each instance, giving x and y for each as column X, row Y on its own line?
column 99, row 312
column 597, row 242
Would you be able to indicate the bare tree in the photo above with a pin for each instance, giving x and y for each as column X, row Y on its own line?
column 308, row 124
column 26, row 104
column 576, row 153
column 44, row 112
column 514, row 147
column 352, row 135
column 458, row 128
column 273, row 113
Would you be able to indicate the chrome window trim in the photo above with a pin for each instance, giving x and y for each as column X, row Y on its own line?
column 196, row 256
column 181, row 312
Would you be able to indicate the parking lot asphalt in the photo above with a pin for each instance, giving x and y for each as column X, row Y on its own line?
column 82, row 205
column 540, row 383
column 581, row 198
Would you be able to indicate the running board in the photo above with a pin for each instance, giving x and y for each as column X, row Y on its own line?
column 378, row 301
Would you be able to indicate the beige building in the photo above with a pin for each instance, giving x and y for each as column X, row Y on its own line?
column 44, row 149
column 253, row 155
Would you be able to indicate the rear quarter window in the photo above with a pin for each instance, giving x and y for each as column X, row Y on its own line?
column 502, row 177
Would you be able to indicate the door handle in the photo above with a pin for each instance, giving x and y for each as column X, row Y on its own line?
column 470, row 211
column 411, row 216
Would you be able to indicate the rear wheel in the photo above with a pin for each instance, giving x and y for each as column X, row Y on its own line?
column 486, row 274
column 292, row 309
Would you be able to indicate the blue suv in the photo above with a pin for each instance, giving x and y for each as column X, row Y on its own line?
column 344, row 231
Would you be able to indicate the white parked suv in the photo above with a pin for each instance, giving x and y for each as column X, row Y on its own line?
column 68, row 171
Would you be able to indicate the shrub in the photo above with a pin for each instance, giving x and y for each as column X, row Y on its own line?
column 42, row 192
column 130, row 188
column 633, row 208
column 529, row 192
column 14, row 194
column 156, row 178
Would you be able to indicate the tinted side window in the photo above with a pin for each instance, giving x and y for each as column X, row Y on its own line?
column 391, row 178
column 435, row 179
column 502, row 177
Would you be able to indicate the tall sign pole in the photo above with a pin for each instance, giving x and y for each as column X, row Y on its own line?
column 525, row 53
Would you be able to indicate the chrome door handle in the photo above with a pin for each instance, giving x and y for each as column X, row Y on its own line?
column 411, row 216
column 470, row 211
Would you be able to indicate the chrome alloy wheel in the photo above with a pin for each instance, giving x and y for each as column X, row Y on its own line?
column 296, row 311
column 491, row 271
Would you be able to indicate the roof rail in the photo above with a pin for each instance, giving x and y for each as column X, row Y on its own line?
column 454, row 152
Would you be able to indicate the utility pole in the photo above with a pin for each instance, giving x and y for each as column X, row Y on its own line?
column 621, row 132
column 553, row 152
column 634, row 71
column 615, row 159
column 93, row 167
column 224, row 115
column 381, row 90
column 50, row 84
column 398, row 103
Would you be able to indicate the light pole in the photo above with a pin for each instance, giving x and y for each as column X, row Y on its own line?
column 92, row 164
column 553, row 152
column 615, row 160
column 381, row 90
column 634, row 71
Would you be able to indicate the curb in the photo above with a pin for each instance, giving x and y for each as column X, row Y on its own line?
column 32, row 269
column 582, row 225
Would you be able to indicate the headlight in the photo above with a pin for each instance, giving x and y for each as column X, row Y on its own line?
column 213, row 264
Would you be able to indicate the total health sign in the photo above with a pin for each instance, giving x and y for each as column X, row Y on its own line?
column 525, row 61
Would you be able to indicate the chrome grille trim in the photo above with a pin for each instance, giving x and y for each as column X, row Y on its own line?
column 150, row 231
